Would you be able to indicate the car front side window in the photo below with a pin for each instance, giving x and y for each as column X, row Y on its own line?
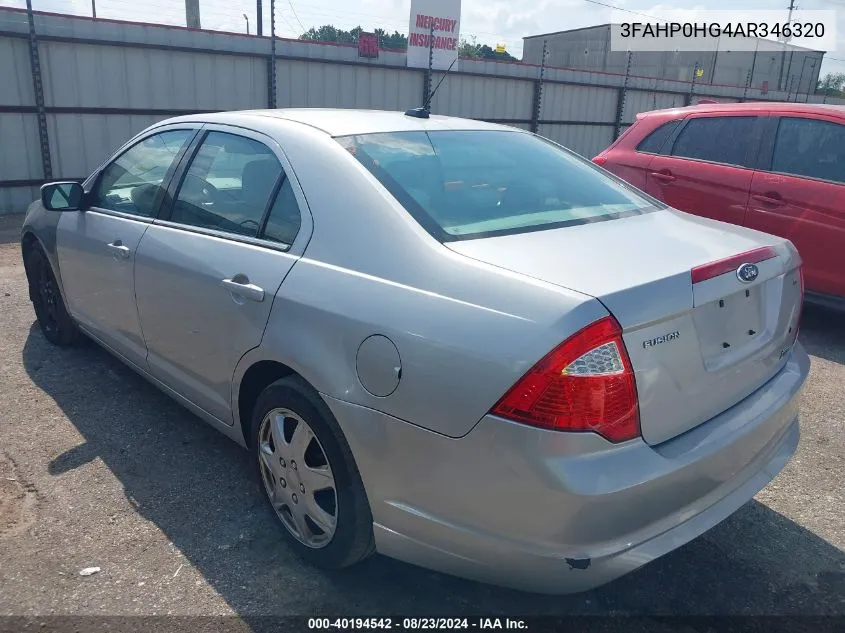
column 132, row 182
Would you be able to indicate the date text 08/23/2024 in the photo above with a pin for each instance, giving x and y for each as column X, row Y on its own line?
column 414, row 624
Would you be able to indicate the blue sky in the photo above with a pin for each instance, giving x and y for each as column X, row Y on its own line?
column 490, row 21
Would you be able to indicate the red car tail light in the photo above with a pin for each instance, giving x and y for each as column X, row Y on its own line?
column 585, row 384
column 722, row 266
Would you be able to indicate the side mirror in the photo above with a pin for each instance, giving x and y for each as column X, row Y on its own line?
column 62, row 196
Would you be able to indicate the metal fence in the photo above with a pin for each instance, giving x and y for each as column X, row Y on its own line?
column 73, row 89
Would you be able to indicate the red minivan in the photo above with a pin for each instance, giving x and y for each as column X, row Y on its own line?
column 775, row 167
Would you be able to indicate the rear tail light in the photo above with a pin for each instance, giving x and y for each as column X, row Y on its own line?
column 729, row 264
column 585, row 384
column 600, row 160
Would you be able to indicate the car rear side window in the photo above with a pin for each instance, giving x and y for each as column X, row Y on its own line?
column 133, row 181
column 285, row 219
column 810, row 148
column 465, row 184
column 716, row 139
column 228, row 185
column 654, row 142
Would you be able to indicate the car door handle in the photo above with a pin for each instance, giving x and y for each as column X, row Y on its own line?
column 773, row 200
column 118, row 249
column 244, row 289
column 662, row 176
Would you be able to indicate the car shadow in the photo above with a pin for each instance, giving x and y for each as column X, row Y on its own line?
column 180, row 473
column 10, row 228
column 823, row 332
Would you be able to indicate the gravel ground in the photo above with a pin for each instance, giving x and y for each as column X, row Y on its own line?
column 98, row 468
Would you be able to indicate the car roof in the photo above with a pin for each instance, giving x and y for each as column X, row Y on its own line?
column 341, row 122
column 756, row 106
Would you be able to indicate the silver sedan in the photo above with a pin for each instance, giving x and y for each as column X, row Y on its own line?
column 451, row 342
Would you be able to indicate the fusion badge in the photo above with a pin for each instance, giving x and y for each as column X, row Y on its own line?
column 671, row 336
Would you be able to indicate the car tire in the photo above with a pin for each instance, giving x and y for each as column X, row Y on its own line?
column 275, row 446
column 56, row 324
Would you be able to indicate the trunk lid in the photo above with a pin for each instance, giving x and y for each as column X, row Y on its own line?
column 696, row 348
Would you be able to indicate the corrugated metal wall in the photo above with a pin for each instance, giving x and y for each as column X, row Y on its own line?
column 95, row 76
column 639, row 101
column 104, row 81
column 579, row 103
column 302, row 84
column 483, row 98
column 590, row 48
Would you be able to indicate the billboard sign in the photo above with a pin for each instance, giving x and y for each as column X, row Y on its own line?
column 434, row 28
column 368, row 45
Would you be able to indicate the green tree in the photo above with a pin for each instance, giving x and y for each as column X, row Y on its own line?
column 329, row 33
column 473, row 50
column 467, row 48
column 832, row 85
column 396, row 40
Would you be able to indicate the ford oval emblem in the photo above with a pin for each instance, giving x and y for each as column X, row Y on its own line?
column 747, row 273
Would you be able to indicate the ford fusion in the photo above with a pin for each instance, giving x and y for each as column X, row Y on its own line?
column 451, row 342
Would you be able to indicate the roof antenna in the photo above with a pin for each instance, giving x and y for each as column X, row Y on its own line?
column 423, row 112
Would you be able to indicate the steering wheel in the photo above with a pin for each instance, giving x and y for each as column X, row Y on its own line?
column 246, row 222
column 199, row 190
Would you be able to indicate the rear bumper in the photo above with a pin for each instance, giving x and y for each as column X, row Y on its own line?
column 556, row 512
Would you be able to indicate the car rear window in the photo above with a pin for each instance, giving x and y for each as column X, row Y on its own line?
column 481, row 183
column 653, row 143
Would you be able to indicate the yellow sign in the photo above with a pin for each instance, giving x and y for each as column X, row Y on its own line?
column 500, row 48
column 699, row 72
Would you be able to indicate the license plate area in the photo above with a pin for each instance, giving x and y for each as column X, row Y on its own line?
column 731, row 326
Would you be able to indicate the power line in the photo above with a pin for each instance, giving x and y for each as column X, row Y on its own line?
column 392, row 23
column 291, row 26
column 290, row 2
column 611, row 6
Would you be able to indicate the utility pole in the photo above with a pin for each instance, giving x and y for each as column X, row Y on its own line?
column 753, row 64
column 747, row 84
column 801, row 78
column 792, row 7
column 810, row 83
column 536, row 111
column 427, row 83
column 38, row 89
column 695, row 70
column 94, row 9
column 272, row 54
column 192, row 14
column 623, row 95
column 259, row 19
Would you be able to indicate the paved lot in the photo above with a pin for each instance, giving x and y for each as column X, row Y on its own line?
column 98, row 468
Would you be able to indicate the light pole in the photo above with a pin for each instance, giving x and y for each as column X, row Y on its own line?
column 247, row 23
column 800, row 79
